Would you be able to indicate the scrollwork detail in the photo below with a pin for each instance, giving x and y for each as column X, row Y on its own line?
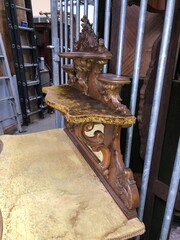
column 126, row 188
column 123, row 179
column 96, row 143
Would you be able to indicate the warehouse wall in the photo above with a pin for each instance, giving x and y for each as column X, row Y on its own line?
column 40, row 5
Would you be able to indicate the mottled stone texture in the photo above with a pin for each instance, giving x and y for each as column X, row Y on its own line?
column 48, row 191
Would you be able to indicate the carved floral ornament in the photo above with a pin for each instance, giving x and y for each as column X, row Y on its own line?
column 85, row 74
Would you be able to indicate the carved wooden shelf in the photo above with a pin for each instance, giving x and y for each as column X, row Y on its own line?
column 110, row 78
column 79, row 108
column 92, row 99
column 86, row 55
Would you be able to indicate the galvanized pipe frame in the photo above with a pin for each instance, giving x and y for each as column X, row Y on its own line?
column 61, row 38
column 86, row 8
column 135, row 80
column 77, row 19
column 66, row 34
column 107, row 28
column 122, row 22
column 71, row 28
column 173, row 189
column 55, row 50
column 156, row 101
column 95, row 17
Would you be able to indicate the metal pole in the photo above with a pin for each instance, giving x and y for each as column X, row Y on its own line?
column 171, row 196
column 86, row 8
column 121, row 37
column 61, row 38
column 71, row 24
column 55, row 43
column 61, row 50
column 135, row 81
column 95, row 18
column 77, row 19
column 66, row 33
column 107, row 28
column 156, row 101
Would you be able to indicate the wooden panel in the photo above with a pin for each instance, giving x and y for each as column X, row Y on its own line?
column 152, row 31
column 157, row 4
column 161, row 190
column 153, row 5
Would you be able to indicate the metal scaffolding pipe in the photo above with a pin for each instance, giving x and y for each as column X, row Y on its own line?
column 55, row 49
column 55, row 41
column 61, row 38
column 173, row 189
column 95, row 18
column 135, row 80
column 71, row 28
column 107, row 28
column 121, row 37
column 77, row 19
column 156, row 101
column 71, row 25
column 86, row 8
column 66, row 33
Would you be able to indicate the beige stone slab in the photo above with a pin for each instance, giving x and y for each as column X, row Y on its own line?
column 48, row 191
column 80, row 108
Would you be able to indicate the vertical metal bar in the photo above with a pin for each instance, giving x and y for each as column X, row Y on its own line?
column 156, row 101
column 71, row 25
column 95, row 18
column 86, row 8
column 61, row 49
column 121, row 37
column 171, row 196
column 107, row 28
column 135, row 81
column 55, row 43
column 61, row 37
column 66, row 33
column 77, row 19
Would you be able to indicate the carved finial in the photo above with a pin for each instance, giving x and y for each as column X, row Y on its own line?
column 88, row 41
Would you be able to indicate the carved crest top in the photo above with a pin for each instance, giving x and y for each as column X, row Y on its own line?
column 88, row 40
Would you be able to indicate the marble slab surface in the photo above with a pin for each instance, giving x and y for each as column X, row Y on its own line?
column 48, row 191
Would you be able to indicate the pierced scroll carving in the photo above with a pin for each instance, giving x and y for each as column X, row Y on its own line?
column 112, row 166
column 96, row 142
column 121, row 178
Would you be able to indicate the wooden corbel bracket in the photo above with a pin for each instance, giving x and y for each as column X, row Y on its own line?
column 112, row 165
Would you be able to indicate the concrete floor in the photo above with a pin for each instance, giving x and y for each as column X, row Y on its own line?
column 38, row 125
